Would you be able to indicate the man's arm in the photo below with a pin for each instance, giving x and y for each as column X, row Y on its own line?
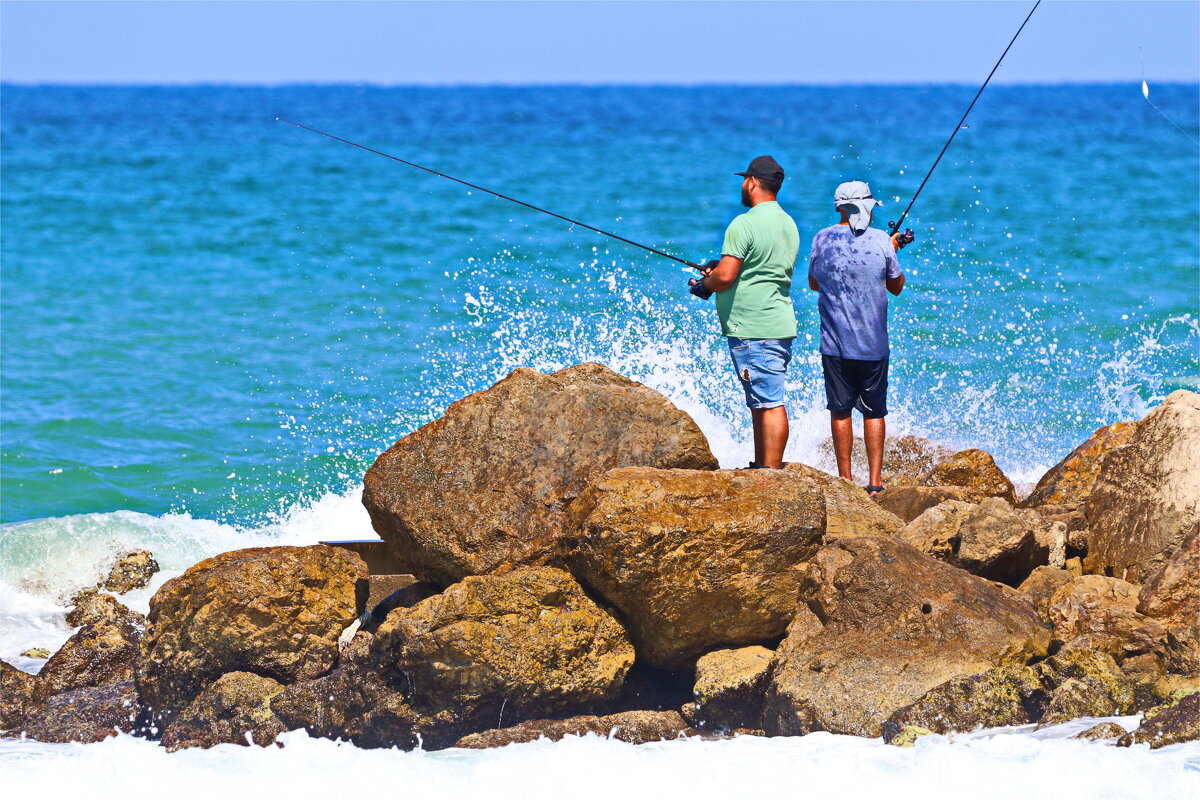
column 812, row 284
column 724, row 274
column 894, row 285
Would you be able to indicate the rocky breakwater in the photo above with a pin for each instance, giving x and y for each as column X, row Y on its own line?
column 590, row 570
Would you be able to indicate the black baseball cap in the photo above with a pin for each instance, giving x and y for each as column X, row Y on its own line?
column 764, row 168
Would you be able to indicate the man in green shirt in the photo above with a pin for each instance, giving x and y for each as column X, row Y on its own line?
column 753, row 282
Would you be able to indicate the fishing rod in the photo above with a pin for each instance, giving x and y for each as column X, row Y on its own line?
column 895, row 226
column 1146, row 94
column 573, row 222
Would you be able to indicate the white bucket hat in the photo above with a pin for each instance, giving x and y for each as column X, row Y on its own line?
column 855, row 198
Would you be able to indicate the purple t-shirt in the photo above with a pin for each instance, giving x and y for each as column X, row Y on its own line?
column 853, row 302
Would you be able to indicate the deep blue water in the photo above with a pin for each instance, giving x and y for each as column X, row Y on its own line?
column 209, row 311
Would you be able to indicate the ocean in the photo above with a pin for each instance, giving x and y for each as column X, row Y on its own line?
column 212, row 322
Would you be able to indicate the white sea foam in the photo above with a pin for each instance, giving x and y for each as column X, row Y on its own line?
column 1002, row 765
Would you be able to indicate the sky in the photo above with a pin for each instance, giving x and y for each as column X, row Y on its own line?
column 594, row 42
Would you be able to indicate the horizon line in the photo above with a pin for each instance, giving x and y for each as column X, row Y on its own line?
column 573, row 85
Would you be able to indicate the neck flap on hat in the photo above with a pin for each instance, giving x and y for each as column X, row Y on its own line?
column 860, row 213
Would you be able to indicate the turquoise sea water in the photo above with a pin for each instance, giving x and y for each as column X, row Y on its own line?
column 211, row 313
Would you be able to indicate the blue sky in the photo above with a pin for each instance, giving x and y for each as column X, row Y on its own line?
column 593, row 42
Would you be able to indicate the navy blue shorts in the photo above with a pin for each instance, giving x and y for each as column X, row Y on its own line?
column 850, row 383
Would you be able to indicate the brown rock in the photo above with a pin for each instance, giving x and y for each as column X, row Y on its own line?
column 1171, row 596
column 905, row 458
column 1041, row 585
column 487, row 486
column 974, row 469
column 849, row 511
column 1178, row 723
column 1084, row 683
column 935, row 532
column 730, row 685
column 132, row 571
column 1101, row 732
column 274, row 611
column 18, row 696
column 910, row 502
column 1073, row 519
column 86, row 715
column 1070, row 481
column 236, row 705
column 524, row 645
column 1104, row 610
column 98, row 654
column 635, row 727
column 91, row 606
column 697, row 560
column 999, row 543
column 1011, row 695
column 1075, row 698
column 879, row 625
column 1147, row 496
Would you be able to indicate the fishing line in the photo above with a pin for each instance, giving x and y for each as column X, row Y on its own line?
column 573, row 222
column 895, row 226
column 1146, row 94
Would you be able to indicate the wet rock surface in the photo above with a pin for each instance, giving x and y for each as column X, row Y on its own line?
column 274, row 611
column 487, row 485
column 1011, row 695
column 86, row 715
column 1146, row 498
column 972, row 469
column 634, row 727
column 18, row 696
column 1176, row 723
column 90, row 606
column 100, row 653
column 524, row 645
column 132, row 571
column 1070, row 481
column 879, row 625
column 730, row 685
column 235, row 706
column 1102, row 732
column 696, row 560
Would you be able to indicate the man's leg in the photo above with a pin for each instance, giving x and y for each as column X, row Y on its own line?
column 842, row 427
column 770, row 435
column 874, row 432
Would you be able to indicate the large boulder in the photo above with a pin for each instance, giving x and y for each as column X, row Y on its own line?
column 90, row 606
column 972, row 469
column 1041, row 585
column 880, row 624
column 1171, row 596
column 487, row 485
column 910, row 502
column 849, row 511
column 99, row 653
column 1146, row 498
column 634, row 727
column 730, row 685
column 1070, row 481
column 1179, row 722
column 234, row 709
column 935, row 532
column 86, row 715
column 528, row 644
column 274, row 611
column 18, row 696
column 1105, row 611
column 696, row 560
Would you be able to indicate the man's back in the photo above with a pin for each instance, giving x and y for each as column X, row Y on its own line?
column 851, row 271
column 759, row 304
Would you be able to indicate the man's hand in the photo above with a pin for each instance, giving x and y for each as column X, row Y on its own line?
column 697, row 288
column 902, row 240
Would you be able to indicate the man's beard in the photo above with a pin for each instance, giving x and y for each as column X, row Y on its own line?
column 746, row 198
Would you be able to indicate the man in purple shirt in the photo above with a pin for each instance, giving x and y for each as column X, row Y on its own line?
column 852, row 267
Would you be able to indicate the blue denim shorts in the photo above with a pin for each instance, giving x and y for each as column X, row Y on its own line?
column 761, row 366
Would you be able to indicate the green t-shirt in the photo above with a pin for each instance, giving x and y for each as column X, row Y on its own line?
column 759, row 304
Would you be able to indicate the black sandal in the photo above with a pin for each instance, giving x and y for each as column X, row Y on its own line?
column 873, row 490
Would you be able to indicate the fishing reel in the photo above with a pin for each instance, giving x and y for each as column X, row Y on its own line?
column 903, row 239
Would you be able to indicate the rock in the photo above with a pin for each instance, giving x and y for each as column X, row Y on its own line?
column 1074, row 567
column 1073, row 519
column 879, row 625
column 635, row 727
column 382, row 587
column 274, row 611
column 1147, row 496
column 730, row 685
column 1070, row 481
column 1178, row 723
column 86, row 715
column 1011, row 695
column 528, row 644
column 935, row 532
column 1084, row 683
column 1101, row 732
column 91, row 606
column 36, row 652
column 99, row 653
column 235, row 706
column 905, row 458
column 1171, row 597
column 486, row 486
column 18, row 696
column 974, row 469
column 849, row 511
column 1075, row 698
column 696, row 560
column 908, row 736
column 1104, row 610
column 132, row 571
column 1041, row 585
column 910, row 502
